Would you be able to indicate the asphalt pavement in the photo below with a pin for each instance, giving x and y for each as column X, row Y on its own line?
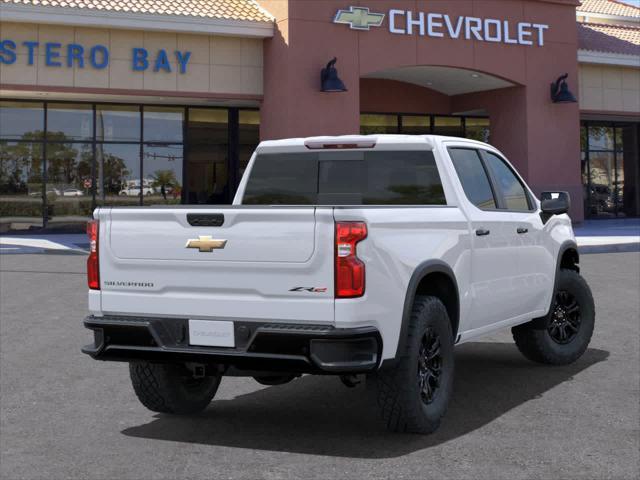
column 64, row 415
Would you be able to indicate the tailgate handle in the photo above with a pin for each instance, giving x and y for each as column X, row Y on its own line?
column 205, row 219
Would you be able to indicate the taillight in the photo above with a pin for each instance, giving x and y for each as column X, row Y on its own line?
column 93, row 265
column 349, row 269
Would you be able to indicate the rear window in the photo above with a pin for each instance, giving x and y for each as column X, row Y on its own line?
column 345, row 178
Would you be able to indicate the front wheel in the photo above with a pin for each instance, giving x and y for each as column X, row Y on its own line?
column 568, row 328
column 413, row 397
column 167, row 388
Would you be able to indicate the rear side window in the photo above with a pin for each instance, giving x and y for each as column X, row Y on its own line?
column 345, row 178
column 473, row 177
column 511, row 189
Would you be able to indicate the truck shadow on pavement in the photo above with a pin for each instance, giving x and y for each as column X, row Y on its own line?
column 317, row 415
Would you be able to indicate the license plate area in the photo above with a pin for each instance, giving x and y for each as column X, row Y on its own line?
column 211, row 333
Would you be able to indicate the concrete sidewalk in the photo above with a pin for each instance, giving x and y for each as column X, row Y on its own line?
column 594, row 236
column 602, row 236
column 44, row 243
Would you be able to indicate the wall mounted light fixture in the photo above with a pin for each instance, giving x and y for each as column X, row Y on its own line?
column 560, row 92
column 329, row 80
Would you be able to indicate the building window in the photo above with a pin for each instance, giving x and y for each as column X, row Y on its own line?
column 68, row 177
column 207, row 156
column 118, row 123
column 21, row 121
column 477, row 128
column 162, row 174
column 163, row 124
column 448, row 126
column 415, row 124
column 21, row 185
column 69, row 122
column 610, row 170
column 59, row 160
column 118, row 174
column 371, row 123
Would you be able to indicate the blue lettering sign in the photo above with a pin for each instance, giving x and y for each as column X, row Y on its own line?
column 96, row 56
column 183, row 58
column 7, row 52
column 140, row 62
column 31, row 47
column 51, row 53
column 99, row 51
column 162, row 62
column 75, row 54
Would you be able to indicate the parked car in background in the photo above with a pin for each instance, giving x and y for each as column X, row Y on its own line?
column 72, row 192
column 50, row 191
column 135, row 191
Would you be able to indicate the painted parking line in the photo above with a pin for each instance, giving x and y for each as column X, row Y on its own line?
column 29, row 245
column 9, row 250
column 32, row 242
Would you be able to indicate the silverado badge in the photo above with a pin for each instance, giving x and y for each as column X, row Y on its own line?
column 205, row 243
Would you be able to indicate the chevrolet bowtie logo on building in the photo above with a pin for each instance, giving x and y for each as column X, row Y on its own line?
column 205, row 243
column 359, row 18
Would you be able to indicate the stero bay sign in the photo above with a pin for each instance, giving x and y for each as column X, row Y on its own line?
column 441, row 25
column 96, row 56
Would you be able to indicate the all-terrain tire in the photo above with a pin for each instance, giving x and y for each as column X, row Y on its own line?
column 540, row 343
column 171, row 388
column 399, row 392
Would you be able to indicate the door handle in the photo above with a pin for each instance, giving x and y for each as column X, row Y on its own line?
column 522, row 230
column 482, row 232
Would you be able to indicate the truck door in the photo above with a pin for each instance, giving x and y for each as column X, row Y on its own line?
column 536, row 260
column 495, row 271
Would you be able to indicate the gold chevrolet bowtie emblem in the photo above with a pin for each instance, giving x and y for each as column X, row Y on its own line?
column 359, row 18
column 205, row 243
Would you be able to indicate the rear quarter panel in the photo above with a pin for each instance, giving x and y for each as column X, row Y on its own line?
column 399, row 239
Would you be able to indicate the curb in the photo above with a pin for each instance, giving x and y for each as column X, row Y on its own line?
column 619, row 248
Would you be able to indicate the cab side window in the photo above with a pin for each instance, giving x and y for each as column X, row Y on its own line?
column 473, row 177
column 510, row 189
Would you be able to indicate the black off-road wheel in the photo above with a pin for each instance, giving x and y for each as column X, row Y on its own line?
column 172, row 388
column 414, row 395
column 565, row 334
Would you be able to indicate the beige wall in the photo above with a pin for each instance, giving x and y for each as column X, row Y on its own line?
column 218, row 65
column 609, row 88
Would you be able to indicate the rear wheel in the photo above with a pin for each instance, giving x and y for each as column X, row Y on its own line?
column 413, row 396
column 172, row 388
column 568, row 329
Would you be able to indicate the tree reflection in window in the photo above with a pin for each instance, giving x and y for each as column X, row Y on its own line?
column 20, row 168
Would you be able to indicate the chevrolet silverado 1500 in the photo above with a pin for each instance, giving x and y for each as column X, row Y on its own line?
column 348, row 256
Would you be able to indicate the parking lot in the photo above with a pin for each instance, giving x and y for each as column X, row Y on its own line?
column 64, row 415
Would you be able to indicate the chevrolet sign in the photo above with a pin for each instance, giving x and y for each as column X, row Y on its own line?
column 440, row 25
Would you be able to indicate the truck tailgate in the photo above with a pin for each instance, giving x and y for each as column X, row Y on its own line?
column 155, row 262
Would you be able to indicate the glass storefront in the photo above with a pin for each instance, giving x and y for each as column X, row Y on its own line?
column 610, row 169
column 59, row 160
column 477, row 128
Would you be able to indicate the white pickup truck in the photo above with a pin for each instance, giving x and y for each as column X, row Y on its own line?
column 343, row 256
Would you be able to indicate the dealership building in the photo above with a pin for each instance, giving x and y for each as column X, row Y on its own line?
column 135, row 102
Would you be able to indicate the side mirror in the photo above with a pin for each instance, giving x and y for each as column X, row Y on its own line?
column 555, row 203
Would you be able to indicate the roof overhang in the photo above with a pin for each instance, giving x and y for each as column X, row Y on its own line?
column 12, row 12
column 589, row 16
column 607, row 58
column 446, row 80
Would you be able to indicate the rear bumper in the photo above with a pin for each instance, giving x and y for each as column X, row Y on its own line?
column 259, row 346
